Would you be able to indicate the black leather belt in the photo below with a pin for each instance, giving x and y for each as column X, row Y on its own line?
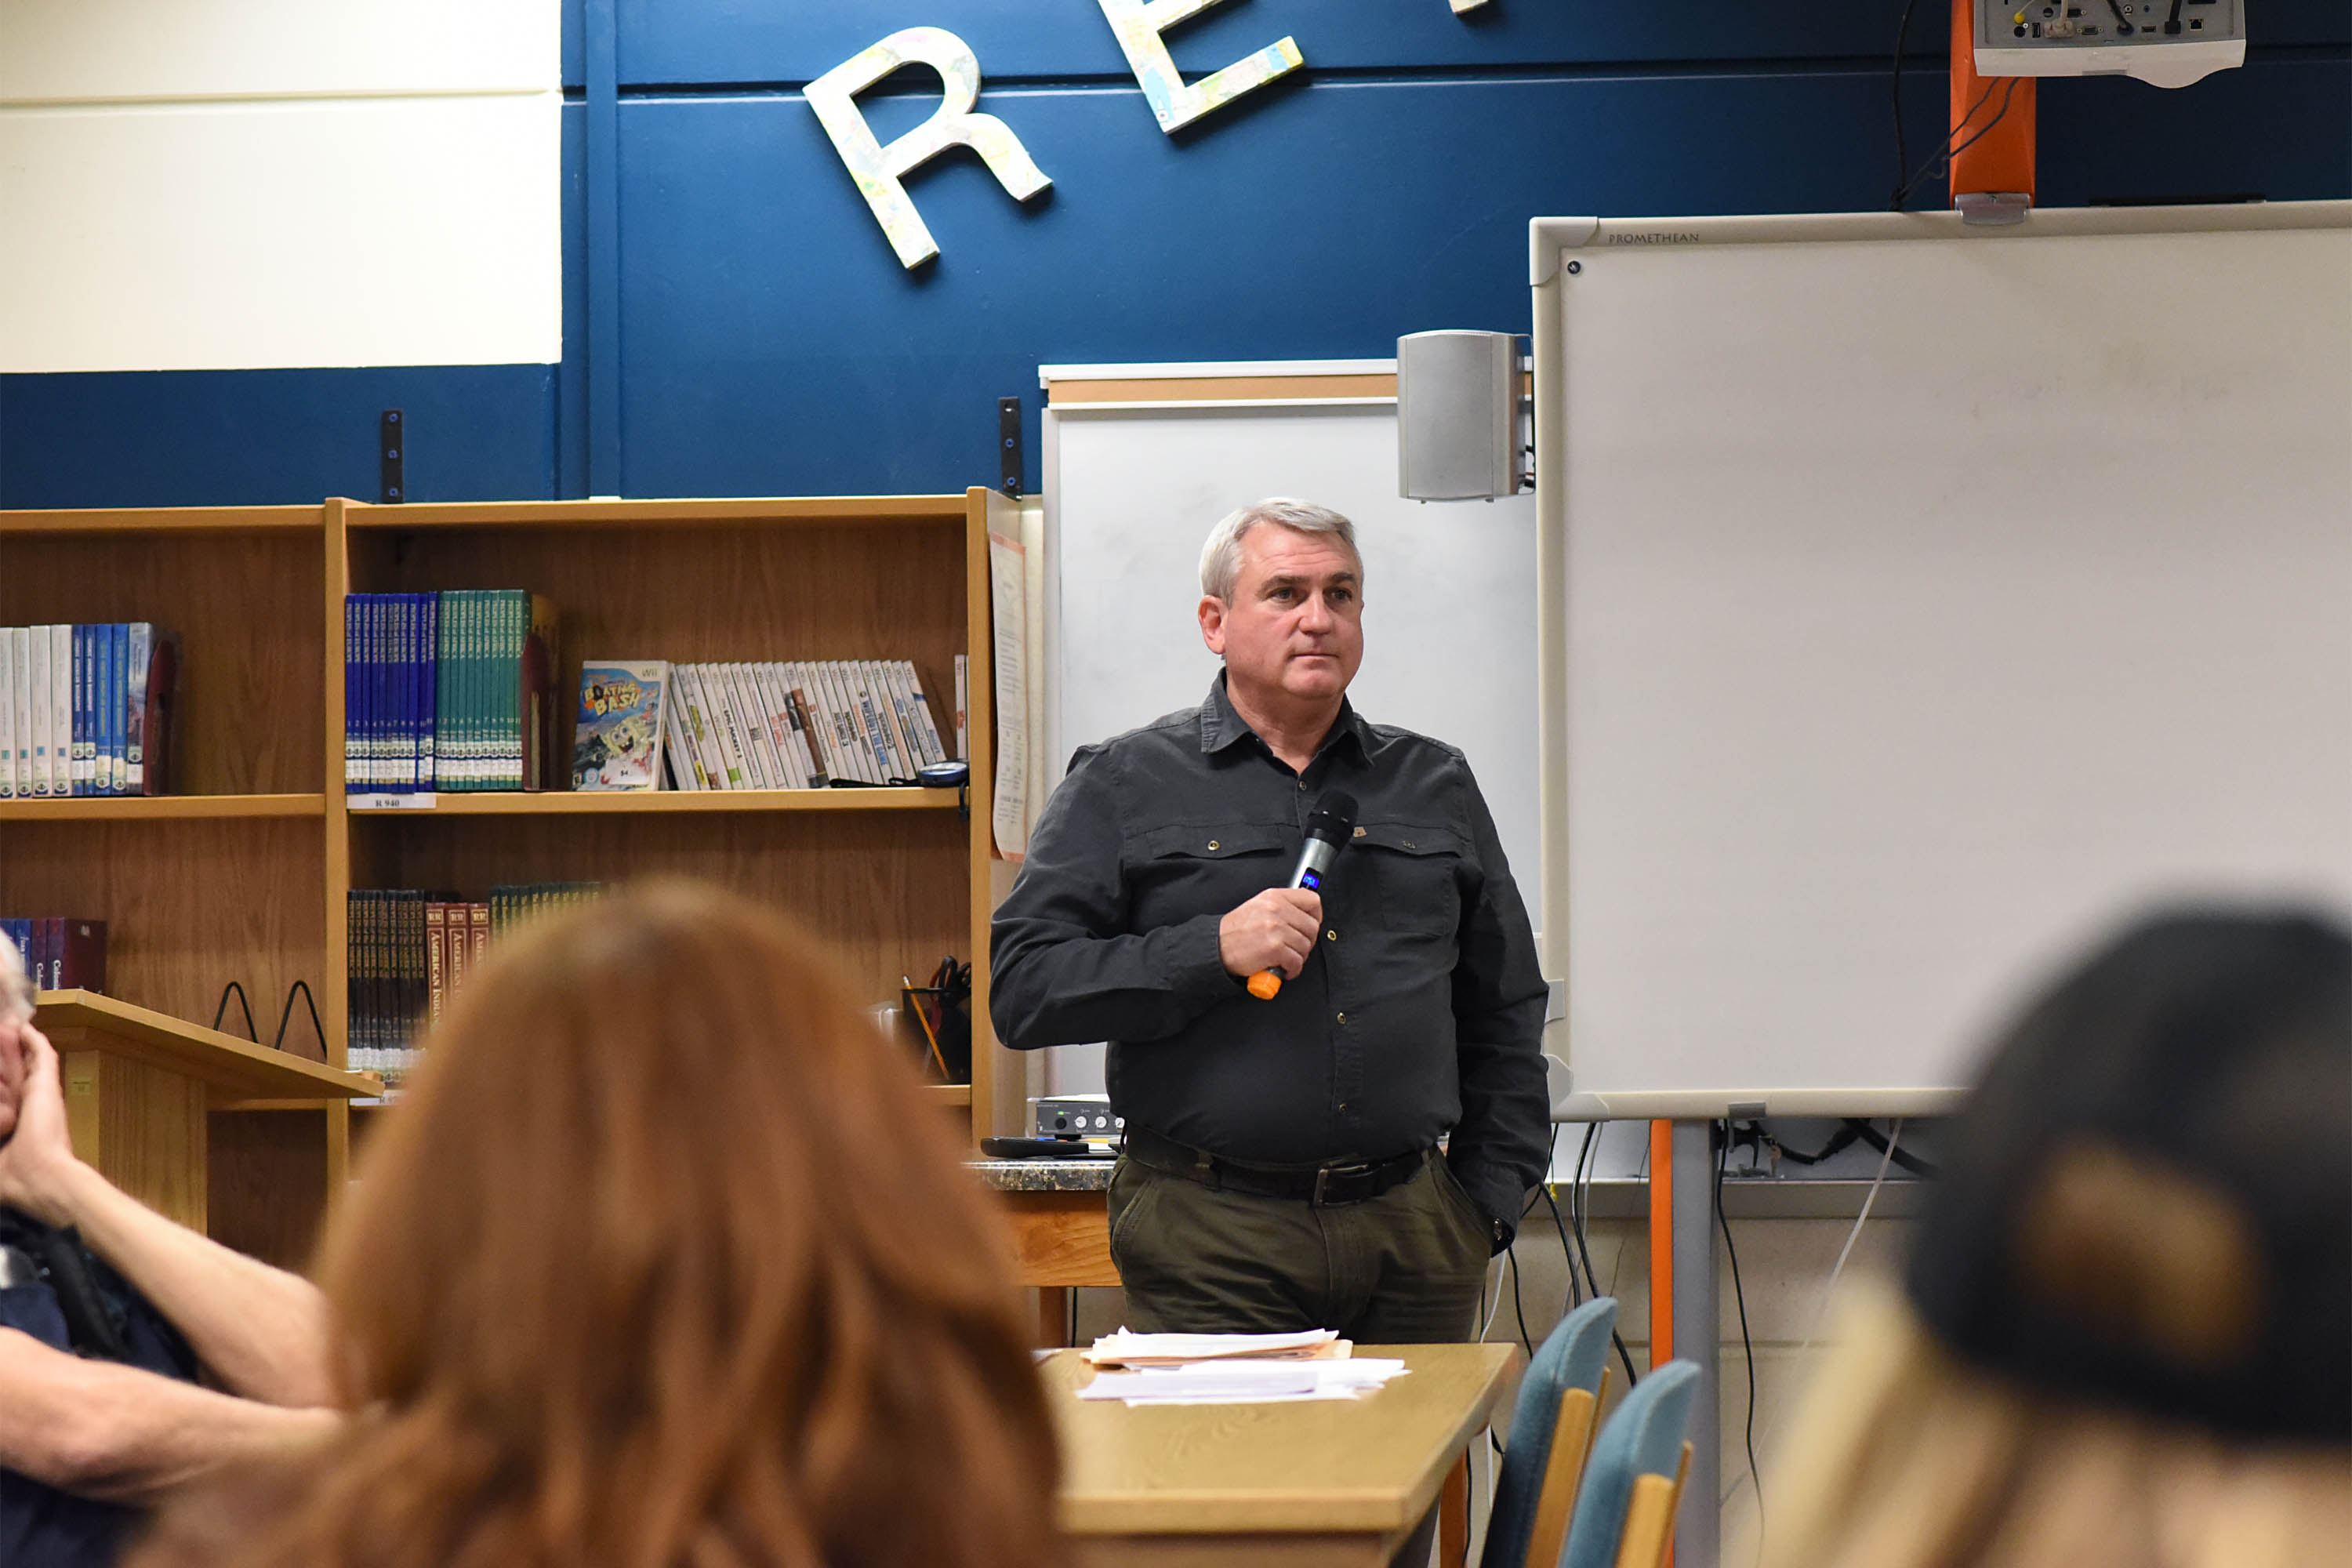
column 1326, row 1186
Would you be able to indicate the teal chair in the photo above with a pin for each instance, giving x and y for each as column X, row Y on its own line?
column 1551, row 1432
column 1633, row 1482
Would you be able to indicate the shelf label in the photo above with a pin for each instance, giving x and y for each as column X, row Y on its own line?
column 393, row 802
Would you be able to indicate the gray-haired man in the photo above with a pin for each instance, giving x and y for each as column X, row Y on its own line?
column 1281, row 1167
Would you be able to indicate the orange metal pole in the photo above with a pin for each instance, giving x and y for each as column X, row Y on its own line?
column 1662, row 1255
column 2000, row 158
column 1661, row 1242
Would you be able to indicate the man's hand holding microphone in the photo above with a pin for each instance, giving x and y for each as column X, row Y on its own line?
column 1269, row 938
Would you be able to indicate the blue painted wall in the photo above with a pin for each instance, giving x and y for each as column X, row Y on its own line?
column 769, row 343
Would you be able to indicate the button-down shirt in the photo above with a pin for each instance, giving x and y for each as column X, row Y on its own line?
column 1420, row 1010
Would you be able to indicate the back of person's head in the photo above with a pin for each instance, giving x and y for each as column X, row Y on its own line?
column 665, row 1259
column 2126, row 1332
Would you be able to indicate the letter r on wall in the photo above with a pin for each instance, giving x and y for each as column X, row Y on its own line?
column 878, row 169
column 1174, row 104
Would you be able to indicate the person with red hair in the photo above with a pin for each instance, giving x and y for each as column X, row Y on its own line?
column 664, row 1260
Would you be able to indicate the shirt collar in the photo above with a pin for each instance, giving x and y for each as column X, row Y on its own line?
column 1222, row 726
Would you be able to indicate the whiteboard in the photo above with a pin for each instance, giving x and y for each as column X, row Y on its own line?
column 1919, row 602
column 1449, row 588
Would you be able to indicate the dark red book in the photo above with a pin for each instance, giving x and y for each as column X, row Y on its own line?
column 69, row 954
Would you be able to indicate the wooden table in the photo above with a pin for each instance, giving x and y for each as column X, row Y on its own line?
column 1331, row 1484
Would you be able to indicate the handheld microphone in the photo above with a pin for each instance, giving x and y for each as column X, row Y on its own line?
column 1329, row 826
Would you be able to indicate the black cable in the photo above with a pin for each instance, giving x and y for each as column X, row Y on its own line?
column 1747, row 1345
column 1901, row 153
column 1567, row 1250
column 1943, row 163
column 1941, row 156
column 1518, row 1306
column 1845, row 1137
column 1575, row 1295
column 1902, row 1157
column 1940, row 162
column 1581, row 1206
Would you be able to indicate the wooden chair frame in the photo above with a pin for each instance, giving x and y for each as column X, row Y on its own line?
column 1649, row 1530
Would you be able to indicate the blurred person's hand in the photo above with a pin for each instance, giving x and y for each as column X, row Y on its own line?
column 35, row 1149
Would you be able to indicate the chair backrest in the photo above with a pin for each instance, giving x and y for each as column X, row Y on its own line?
column 1625, row 1515
column 1551, row 1432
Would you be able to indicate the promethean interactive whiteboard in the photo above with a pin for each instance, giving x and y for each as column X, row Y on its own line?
column 1916, row 603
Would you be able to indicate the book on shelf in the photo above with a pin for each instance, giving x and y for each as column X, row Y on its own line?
column 450, row 691
column 87, row 710
column 60, row 952
column 410, row 953
column 798, row 724
column 619, row 729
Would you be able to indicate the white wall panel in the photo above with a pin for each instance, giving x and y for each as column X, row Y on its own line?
column 266, row 235
column 80, row 50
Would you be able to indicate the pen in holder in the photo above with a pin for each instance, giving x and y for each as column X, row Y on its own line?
column 942, row 1012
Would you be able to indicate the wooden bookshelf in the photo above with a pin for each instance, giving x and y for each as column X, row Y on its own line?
column 244, row 874
column 894, row 878
column 223, row 879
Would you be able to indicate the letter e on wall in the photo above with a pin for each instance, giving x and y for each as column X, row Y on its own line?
column 1139, row 22
column 879, row 170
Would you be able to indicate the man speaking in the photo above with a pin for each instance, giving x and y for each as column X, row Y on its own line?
column 1282, row 1168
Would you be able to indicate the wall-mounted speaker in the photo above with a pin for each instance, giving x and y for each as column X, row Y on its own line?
column 1458, row 417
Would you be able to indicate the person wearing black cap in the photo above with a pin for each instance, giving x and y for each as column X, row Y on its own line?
column 1280, row 1168
column 2125, row 1335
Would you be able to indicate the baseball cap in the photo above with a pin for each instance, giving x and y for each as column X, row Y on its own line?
column 2147, row 1200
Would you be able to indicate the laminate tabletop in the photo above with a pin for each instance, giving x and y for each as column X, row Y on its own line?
column 1161, row 1482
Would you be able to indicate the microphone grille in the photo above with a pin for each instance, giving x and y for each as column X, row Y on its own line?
column 1338, row 806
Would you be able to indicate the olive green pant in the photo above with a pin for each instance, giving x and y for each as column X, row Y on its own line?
column 1401, row 1268
column 1404, row 1267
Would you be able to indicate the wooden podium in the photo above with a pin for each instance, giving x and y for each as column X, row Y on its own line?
column 141, row 1088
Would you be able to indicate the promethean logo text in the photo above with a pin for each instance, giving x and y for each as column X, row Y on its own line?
column 1659, row 236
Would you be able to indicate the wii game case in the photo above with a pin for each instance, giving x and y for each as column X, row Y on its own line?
column 618, row 743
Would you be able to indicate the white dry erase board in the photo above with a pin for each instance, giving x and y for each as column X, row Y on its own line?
column 1141, row 461
column 1918, row 601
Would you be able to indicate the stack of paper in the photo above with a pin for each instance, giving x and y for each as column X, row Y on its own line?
column 1244, row 1381
column 1126, row 1348
column 1232, row 1369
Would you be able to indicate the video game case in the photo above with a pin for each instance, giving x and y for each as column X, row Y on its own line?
column 619, row 725
column 684, row 767
column 60, row 709
column 19, row 696
column 702, row 727
column 36, row 648
column 762, row 763
column 7, row 715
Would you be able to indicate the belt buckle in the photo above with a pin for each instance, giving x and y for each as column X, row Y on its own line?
column 1323, row 1175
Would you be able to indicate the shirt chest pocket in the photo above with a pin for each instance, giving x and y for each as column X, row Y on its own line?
column 1414, row 871
column 1178, row 872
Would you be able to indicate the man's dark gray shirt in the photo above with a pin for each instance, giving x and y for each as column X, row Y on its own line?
column 1420, row 1010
